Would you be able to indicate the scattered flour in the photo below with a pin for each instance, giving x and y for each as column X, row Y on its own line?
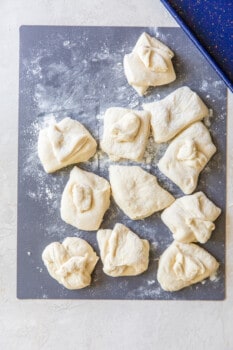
column 59, row 91
column 214, row 277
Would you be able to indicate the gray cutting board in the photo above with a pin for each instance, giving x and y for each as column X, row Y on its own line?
column 78, row 72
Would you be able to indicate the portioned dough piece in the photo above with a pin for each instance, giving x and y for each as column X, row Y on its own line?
column 71, row 262
column 137, row 192
column 186, row 156
column 85, row 199
column 182, row 265
column 122, row 252
column 125, row 133
column 174, row 113
column 190, row 218
column 149, row 64
column 65, row 143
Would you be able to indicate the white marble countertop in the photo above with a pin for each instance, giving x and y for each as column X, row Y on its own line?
column 47, row 324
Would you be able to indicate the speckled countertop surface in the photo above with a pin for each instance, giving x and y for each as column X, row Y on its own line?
column 48, row 324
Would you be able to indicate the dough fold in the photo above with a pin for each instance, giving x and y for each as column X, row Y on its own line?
column 137, row 192
column 182, row 265
column 65, row 143
column 149, row 64
column 174, row 113
column 122, row 252
column 187, row 155
column 190, row 218
column 85, row 199
column 71, row 262
column 125, row 133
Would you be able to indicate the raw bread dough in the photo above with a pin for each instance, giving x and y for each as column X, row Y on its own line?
column 186, row 156
column 182, row 265
column 125, row 133
column 174, row 113
column 149, row 64
column 137, row 192
column 65, row 143
column 70, row 263
column 190, row 218
column 122, row 252
column 85, row 199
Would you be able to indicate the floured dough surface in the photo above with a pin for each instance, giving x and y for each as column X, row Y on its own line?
column 122, row 252
column 137, row 192
column 190, row 218
column 186, row 156
column 182, row 265
column 71, row 262
column 85, row 199
column 125, row 133
column 149, row 64
column 65, row 143
column 174, row 113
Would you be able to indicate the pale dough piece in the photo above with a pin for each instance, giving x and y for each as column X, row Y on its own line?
column 182, row 265
column 137, row 192
column 186, row 156
column 174, row 113
column 190, row 218
column 122, row 252
column 125, row 133
column 70, row 263
column 65, row 143
column 149, row 64
column 85, row 199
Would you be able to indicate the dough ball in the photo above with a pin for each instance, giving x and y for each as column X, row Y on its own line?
column 85, row 199
column 137, row 192
column 190, row 218
column 70, row 263
column 186, row 156
column 182, row 265
column 65, row 143
column 174, row 113
column 122, row 252
column 125, row 133
column 149, row 64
